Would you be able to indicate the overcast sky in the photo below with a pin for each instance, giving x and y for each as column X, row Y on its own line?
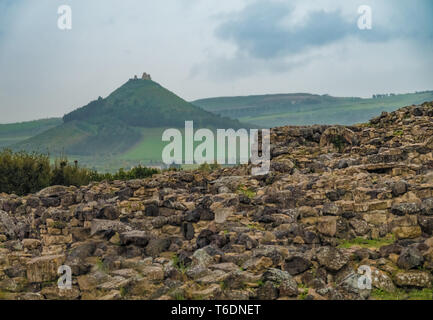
column 207, row 48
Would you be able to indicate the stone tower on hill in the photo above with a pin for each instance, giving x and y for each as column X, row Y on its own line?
column 146, row 76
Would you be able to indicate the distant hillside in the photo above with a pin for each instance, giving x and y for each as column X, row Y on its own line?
column 15, row 132
column 306, row 109
column 125, row 128
column 145, row 103
column 121, row 122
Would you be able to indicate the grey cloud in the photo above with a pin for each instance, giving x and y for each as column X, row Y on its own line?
column 258, row 31
column 413, row 19
column 113, row 40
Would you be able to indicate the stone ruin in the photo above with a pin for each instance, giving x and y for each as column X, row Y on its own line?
column 337, row 200
column 145, row 76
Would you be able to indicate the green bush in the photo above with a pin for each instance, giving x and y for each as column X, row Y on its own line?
column 209, row 167
column 23, row 173
column 138, row 172
column 66, row 174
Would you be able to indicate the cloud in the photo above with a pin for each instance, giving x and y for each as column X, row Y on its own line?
column 202, row 48
column 266, row 34
column 259, row 30
column 412, row 19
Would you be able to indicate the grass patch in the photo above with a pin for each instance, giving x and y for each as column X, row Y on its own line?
column 100, row 265
column 223, row 285
column 303, row 295
column 148, row 148
column 255, row 226
column 179, row 296
column 123, row 292
column 178, row 264
column 367, row 243
column 246, row 191
column 398, row 133
column 205, row 167
column 400, row 294
column 59, row 225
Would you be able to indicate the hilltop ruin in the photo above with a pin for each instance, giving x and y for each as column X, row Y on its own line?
column 145, row 76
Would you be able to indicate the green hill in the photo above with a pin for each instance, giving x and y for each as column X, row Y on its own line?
column 145, row 103
column 307, row 109
column 15, row 132
column 123, row 128
column 113, row 125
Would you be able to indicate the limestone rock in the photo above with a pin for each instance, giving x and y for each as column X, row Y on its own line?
column 43, row 269
column 331, row 258
column 417, row 279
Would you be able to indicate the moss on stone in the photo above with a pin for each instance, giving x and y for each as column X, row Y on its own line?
column 366, row 243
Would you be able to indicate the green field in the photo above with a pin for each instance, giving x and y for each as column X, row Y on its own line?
column 149, row 148
column 306, row 109
column 16, row 132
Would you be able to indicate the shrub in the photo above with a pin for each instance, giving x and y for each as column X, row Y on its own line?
column 205, row 167
column 22, row 173
column 138, row 172
column 63, row 173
